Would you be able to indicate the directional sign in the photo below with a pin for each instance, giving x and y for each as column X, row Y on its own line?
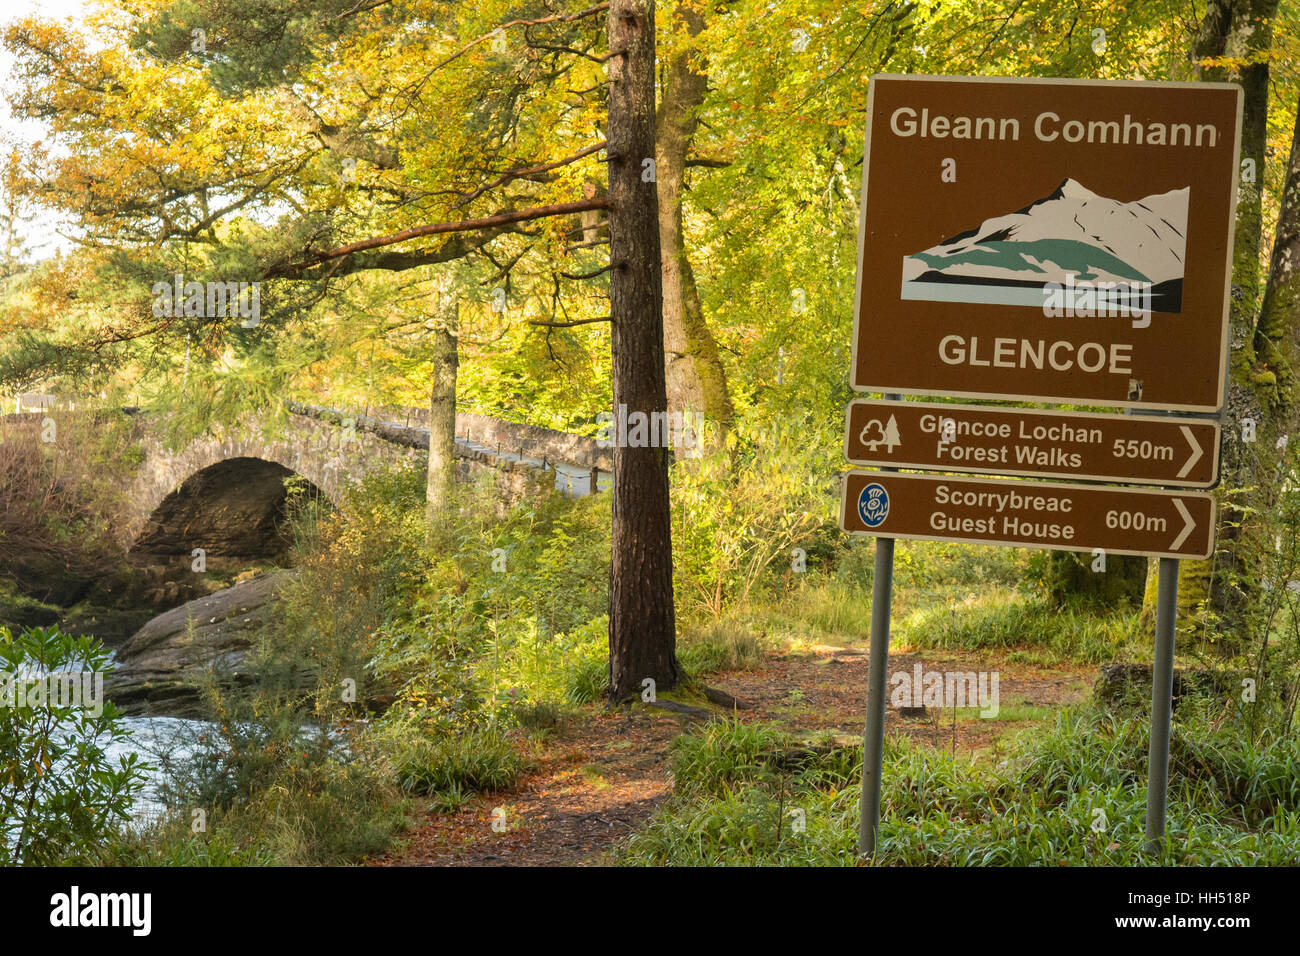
column 1013, row 441
column 1165, row 524
column 1047, row 240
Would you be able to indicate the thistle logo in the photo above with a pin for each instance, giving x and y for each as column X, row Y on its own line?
column 873, row 505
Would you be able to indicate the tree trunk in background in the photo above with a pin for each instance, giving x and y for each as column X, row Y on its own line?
column 642, row 626
column 1070, row 577
column 441, row 478
column 696, row 379
column 1242, row 30
column 1279, row 315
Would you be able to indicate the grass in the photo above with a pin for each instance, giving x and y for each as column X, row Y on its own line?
column 1073, row 795
column 477, row 761
column 720, row 646
column 1003, row 620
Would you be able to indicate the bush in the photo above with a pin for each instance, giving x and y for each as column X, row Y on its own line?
column 525, row 668
column 483, row 760
column 720, row 647
column 61, row 796
column 61, row 502
column 741, row 510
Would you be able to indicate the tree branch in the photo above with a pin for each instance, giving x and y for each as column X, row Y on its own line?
column 565, row 325
column 530, row 171
column 587, row 275
column 442, row 228
column 558, row 18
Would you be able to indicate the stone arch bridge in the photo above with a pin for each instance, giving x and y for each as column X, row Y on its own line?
column 226, row 492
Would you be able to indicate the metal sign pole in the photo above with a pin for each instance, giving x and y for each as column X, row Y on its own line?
column 1162, row 692
column 873, row 736
column 873, row 740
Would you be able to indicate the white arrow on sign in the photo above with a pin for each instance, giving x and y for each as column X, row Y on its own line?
column 1196, row 451
column 1188, row 524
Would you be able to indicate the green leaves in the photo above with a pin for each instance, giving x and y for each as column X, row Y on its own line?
column 60, row 794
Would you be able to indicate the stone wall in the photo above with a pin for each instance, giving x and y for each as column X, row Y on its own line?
column 533, row 441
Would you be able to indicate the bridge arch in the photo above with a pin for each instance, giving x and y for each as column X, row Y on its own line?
column 331, row 450
column 326, row 455
column 235, row 508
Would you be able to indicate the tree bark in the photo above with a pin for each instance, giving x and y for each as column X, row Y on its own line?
column 441, row 476
column 1280, row 312
column 642, row 627
column 1070, row 577
column 1242, row 30
column 696, row 379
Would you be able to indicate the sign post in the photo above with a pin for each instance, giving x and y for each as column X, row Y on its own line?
column 1062, row 517
column 1162, row 703
column 873, row 740
column 873, row 737
column 1052, row 241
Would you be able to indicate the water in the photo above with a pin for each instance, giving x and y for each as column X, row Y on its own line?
column 150, row 738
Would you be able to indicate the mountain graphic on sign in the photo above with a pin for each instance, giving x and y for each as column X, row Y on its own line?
column 1071, row 236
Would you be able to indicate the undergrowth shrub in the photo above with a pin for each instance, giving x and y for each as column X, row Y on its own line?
column 740, row 511
column 480, row 761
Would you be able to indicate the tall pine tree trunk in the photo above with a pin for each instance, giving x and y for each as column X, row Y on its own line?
column 441, row 476
column 642, row 626
column 696, row 379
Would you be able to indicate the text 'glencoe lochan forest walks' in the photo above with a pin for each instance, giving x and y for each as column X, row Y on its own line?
column 630, row 435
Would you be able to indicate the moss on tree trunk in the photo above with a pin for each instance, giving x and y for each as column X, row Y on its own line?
column 1071, row 578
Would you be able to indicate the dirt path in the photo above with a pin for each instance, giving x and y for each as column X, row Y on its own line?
column 599, row 779
column 596, row 783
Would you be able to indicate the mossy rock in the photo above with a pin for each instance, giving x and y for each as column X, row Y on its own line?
column 1124, row 685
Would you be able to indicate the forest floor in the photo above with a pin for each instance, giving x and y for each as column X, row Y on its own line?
column 600, row 775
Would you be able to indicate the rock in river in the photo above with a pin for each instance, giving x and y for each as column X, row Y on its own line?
column 160, row 667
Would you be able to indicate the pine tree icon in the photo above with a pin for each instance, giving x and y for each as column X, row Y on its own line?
column 891, row 435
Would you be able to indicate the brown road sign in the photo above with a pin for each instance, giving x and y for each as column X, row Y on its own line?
column 1049, row 240
column 1051, row 444
column 1029, row 514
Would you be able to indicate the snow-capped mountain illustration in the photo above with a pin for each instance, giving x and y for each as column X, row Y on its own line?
column 1071, row 236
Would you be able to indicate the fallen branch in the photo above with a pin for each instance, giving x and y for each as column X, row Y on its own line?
column 723, row 699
